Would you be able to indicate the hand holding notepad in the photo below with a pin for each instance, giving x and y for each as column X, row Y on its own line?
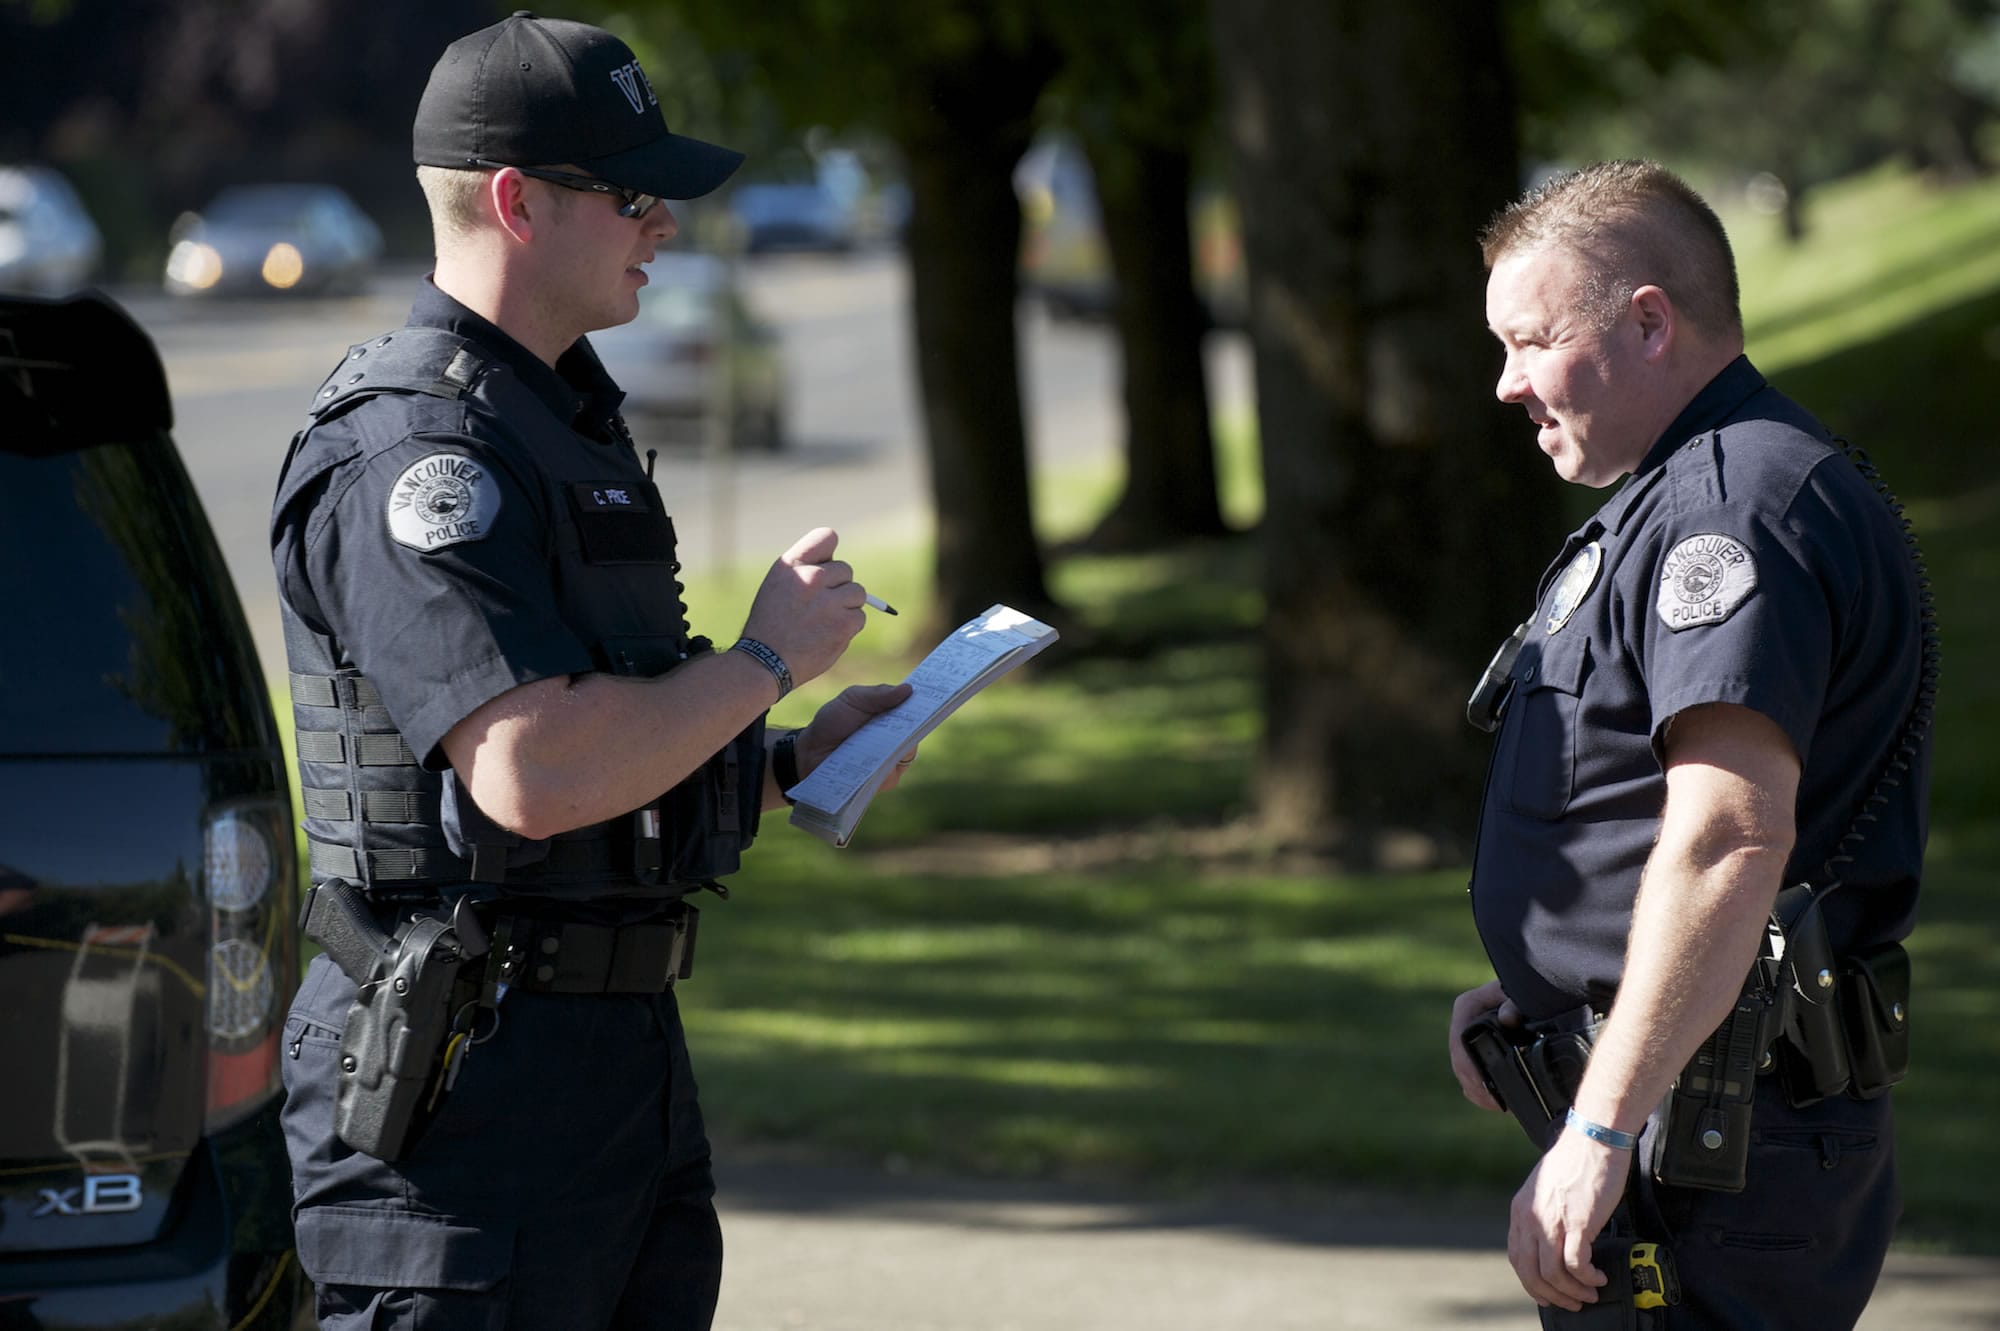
column 830, row 802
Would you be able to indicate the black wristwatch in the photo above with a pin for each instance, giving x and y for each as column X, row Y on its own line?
column 785, row 763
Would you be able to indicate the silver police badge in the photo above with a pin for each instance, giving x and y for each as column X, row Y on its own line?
column 1703, row 580
column 442, row 500
column 1574, row 584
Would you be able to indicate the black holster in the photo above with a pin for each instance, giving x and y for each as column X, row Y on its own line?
column 392, row 1050
column 1533, row 1076
column 1640, row 1279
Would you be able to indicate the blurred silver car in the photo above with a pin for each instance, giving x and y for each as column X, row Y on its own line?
column 801, row 215
column 48, row 244
column 269, row 239
column 697, row 366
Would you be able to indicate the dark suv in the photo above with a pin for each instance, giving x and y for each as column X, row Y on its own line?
column 147, row 865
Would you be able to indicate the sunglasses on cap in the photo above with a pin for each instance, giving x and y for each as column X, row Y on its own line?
column 633, row 203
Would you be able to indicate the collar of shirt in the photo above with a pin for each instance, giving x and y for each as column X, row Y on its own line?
column 577, row 390
column 1738, row 382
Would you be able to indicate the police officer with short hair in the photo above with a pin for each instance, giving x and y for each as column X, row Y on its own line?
column 1722, row 691
column 504, row 724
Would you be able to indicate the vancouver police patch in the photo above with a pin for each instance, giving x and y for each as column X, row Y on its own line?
column 1703, row 580
column 441, row 500
column 1574, row 584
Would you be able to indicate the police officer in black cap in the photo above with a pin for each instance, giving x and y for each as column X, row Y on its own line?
column 1723, row 691
column 506, row 727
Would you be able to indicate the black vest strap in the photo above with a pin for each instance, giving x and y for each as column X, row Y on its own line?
column 377, row 806
column 566, row 858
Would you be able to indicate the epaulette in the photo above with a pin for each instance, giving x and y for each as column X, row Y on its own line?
column 409, row 360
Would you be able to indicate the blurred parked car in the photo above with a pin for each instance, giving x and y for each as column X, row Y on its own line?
column 148, row 888
column 257, row 239
column 696, row 360
column 803, row 215
column 1064, row 262
column 48, row 244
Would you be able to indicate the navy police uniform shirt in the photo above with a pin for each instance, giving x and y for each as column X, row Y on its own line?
column 1745, row 561
column 438, row 586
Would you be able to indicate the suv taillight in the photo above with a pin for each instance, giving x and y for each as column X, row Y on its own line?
column 248, row 867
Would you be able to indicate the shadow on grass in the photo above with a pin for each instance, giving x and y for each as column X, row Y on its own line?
column 1155, row 1025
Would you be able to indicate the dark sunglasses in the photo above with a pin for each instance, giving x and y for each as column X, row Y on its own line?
column 634, row 204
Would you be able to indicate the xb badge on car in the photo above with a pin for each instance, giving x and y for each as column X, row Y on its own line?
column 148, row 891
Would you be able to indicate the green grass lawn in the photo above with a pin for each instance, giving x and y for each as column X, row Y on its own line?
column 1050, row 954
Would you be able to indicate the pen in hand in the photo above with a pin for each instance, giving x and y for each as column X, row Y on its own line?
column 879, row 604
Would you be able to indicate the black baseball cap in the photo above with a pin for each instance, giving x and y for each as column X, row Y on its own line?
column 534, row 91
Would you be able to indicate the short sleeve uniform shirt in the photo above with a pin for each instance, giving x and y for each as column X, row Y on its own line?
column 429, row 557
column 1746, row 561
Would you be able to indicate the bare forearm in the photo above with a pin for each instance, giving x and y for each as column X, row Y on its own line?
column 1725, row 836
column 561, row 754
column 1695, row 931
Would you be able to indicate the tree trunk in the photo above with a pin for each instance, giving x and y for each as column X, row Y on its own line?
column 961, row 142
column 1170, row 493
column 1407, row 514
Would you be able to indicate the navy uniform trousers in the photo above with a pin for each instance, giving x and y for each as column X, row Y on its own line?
column 564, row 1183
column 1801, row 1247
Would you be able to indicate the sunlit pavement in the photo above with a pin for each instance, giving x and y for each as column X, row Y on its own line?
column 844, row 1249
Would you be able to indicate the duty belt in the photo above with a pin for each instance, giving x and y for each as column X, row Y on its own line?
column 526, row 951
column 567, row 957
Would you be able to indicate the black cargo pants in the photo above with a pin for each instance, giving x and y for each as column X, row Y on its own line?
column 1801, row 1247
column 564, row 1183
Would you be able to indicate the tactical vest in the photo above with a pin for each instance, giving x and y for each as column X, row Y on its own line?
column 373, row 814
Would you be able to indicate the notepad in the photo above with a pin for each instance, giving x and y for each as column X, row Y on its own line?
column 829, row 803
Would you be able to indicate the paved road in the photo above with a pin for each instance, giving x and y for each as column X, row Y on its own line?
column 843, row 1249
column 242, row 373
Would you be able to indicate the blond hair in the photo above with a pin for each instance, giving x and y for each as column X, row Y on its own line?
column 457, row 199
column 1634, row 224
column 454, row 198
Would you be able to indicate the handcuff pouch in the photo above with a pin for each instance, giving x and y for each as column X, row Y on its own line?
column 1875, row 998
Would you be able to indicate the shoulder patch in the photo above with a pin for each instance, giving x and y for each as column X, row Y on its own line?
column 1703, row 580
column 441, row 500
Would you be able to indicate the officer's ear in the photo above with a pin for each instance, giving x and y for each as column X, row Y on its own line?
column 508, row 203
column 1653, row 313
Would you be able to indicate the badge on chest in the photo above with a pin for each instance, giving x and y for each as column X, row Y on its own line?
column 1574, row 584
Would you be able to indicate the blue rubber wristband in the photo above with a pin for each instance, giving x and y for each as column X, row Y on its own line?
column 1597, row 1132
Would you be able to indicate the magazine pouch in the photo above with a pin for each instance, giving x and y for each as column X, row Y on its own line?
column 1875, row 1001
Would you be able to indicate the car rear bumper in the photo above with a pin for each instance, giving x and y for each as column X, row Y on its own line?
column 225, row 1260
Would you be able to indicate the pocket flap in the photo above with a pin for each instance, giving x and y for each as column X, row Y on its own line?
column 384, row 1249
column 1561, row 664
